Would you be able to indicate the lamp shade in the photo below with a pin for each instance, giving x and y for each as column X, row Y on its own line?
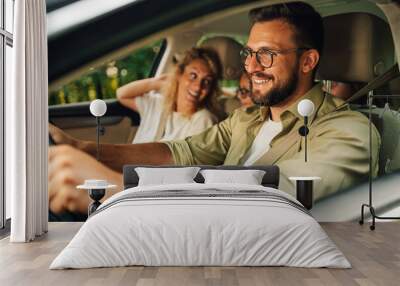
column 305, row 107
column 98, row 107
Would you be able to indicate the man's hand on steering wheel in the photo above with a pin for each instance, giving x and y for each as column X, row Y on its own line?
column 57, row 136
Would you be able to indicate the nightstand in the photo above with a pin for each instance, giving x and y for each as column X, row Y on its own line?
column 97, row 190
column 304, row 190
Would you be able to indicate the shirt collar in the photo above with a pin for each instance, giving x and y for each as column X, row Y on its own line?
column 315, row 94
column 264, row 113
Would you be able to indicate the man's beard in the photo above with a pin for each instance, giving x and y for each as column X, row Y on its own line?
column 277, row 94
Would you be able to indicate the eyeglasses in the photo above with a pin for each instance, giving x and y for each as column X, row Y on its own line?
column 264, row 56
column 242, row 92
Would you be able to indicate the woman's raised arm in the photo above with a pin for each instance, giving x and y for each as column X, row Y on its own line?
column 126, row 94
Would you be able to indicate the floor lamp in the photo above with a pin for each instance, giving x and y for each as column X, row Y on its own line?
column 96, row 188
column 98, row 108
column 370, row 203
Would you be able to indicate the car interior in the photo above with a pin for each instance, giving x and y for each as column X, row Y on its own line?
column 362, row 42
column 365, row 51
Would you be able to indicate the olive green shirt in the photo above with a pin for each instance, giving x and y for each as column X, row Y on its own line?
column 338, row 144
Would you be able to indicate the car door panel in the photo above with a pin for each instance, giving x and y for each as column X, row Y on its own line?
column 120, row 123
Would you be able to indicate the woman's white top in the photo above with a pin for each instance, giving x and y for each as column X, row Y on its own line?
column 154, row 127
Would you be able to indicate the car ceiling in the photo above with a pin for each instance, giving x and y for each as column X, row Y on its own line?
column 88, row 41
column 52, row 5
column 77, row 46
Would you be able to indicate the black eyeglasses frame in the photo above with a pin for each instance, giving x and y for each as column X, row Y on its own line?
column 268, row 51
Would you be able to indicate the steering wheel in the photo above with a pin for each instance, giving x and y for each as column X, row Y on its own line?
column 67, row 215
column 51, row 141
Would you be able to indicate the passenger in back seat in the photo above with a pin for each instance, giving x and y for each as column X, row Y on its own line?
column 339, row 89
column 243, row 92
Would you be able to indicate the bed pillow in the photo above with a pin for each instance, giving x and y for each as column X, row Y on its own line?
column 248, row 177
column 165, row 176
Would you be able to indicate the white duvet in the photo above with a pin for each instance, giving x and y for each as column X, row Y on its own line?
column 206, row 230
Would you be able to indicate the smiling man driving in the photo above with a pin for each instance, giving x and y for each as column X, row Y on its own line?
column 281, row 57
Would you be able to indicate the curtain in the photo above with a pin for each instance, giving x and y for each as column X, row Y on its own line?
column 26, row 123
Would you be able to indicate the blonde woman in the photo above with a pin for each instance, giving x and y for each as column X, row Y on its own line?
column 177, row 105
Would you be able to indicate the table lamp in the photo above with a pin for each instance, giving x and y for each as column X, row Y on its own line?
column 305, row 109
column 98, row 108
column 96, row 188
column 304, row 185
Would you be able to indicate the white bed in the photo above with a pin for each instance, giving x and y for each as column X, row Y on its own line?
column 222, row 225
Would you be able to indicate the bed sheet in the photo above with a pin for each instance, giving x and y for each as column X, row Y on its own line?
column 201, row 225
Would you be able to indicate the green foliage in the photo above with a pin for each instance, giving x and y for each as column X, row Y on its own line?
column 103, row 82
column 229, row 83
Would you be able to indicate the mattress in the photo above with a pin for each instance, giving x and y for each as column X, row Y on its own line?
column 201, row 225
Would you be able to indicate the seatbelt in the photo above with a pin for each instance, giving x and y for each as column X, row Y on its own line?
column 377, row 82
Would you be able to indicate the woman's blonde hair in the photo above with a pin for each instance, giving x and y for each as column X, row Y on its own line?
column 210, row 57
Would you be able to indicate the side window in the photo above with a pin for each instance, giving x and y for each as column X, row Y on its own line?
column 102, row 82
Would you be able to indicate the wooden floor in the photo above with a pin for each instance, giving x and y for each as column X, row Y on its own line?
column 374, row 255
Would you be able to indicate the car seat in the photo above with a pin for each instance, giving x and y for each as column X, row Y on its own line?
column 228, row 50
column 363, row 51
column 358, row 47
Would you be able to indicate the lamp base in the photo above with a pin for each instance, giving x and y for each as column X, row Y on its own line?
column 374, row 216
column 96, row 195
column 304, row 190
column 304, row 193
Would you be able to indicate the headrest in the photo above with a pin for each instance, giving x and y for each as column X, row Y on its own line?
column 394, row 86
column 229, row 53
column 357, row 48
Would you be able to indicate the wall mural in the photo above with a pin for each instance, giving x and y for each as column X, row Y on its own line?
column 207, row 113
